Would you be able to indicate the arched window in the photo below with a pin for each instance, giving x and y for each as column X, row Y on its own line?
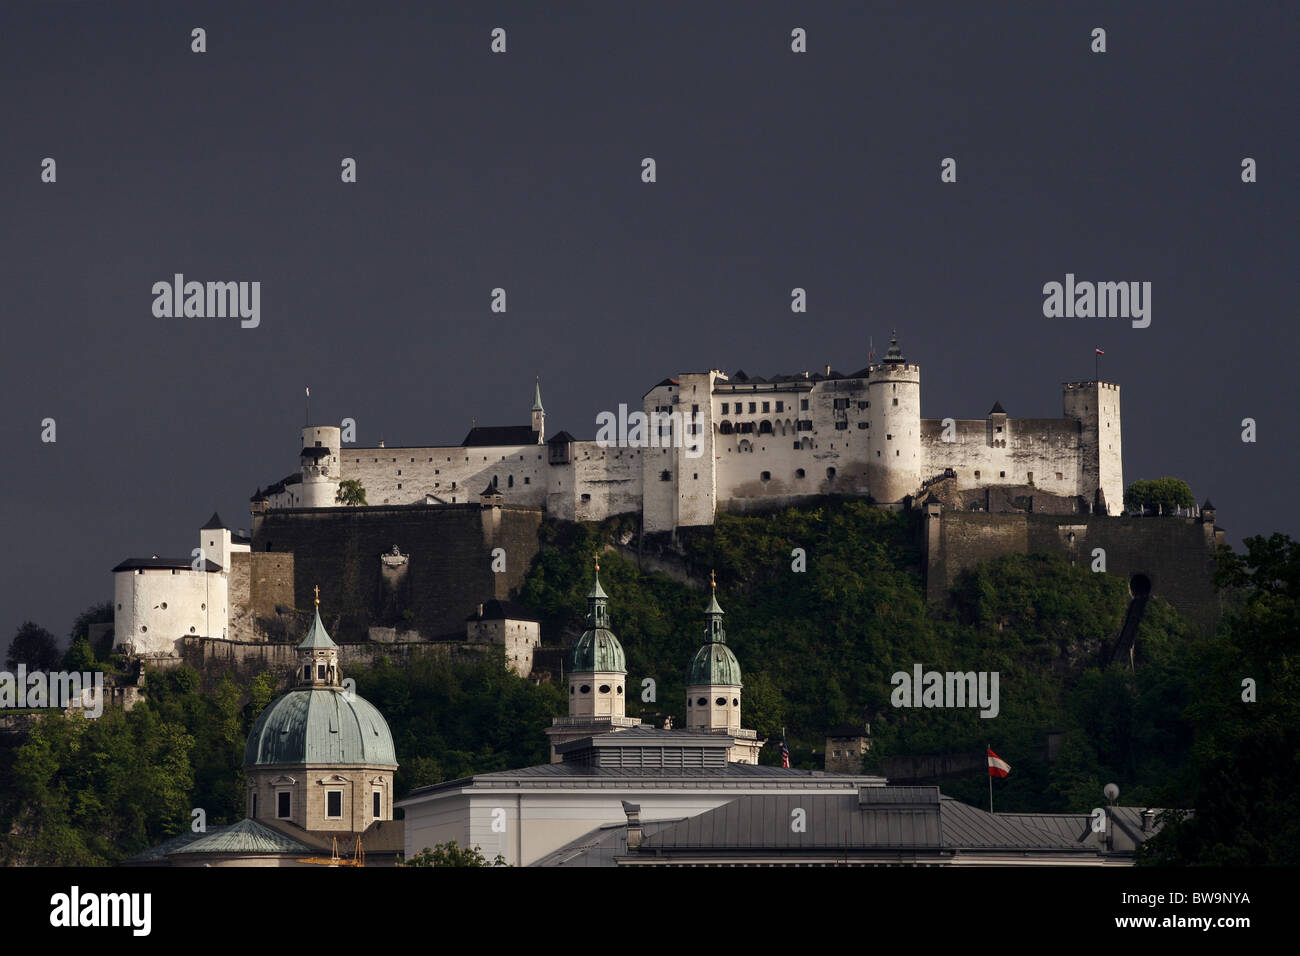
column 830, row 472
column 725, row 428
column 765, row 428
column 798, row 473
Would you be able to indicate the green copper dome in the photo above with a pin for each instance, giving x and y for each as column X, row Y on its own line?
column 598, row 649
column 714, row 663
column 320, row 725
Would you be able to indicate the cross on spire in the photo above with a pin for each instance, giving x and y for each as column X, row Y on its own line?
column 317, row 590
column 713, row 580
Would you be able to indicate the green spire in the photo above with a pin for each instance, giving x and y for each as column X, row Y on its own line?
column 317, row 637
column 597, row 603
column 537, row 396
column 713, row 614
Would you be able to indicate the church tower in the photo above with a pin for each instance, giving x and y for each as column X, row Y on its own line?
column 539, row 413
column 597, row 678
column 713, row 687
column 320, row 757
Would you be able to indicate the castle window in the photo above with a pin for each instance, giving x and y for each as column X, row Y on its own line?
column 753, row 407
column 725, row 407
column 394, row 461
column 510, row 481
column 1059, row 476
column 998, row 429
column 1030, row 476
column 665, row 476
column 202, row 607
column 896, row 402
column 527, row 480
column 766, row 476
column 333, row 804
column 977, row 475
column 1002, row 474
column 283, row 804
column 191, row 630
column 841, row 426
column 143, row 628
column 844, row 403
column 797, row 446
column 695, row 409
column 798, row 472
column 378, row 804
column 765, row 428
column 399, row 486
column 399, row 471
column 767, row 406
column 695, row 476
column 864, row 404
column 889, row 438
column 586, row 497
column 803, row 404
column 164, row 605
column 830, row 472
column 862, row 425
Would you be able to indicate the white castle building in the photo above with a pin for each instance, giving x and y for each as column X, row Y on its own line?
column 704, row 442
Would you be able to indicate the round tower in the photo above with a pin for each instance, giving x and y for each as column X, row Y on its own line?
column 598, row 669
column 321, row 454
column 713, row 679
column 894, row 436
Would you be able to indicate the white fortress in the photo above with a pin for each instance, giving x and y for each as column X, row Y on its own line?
column 705, row 442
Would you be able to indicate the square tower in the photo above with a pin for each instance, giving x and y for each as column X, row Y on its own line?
column 1095, row 405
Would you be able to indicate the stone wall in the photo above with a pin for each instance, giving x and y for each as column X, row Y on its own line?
column 247, row 659
column 261, row 585
column 1175, row 555
column 449, row 572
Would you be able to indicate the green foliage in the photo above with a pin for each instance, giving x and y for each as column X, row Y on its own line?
column 33, row 646
column 1163, row 495
column 449, row 854
column 1243, row 772
column 351, row 493
column 101, row 613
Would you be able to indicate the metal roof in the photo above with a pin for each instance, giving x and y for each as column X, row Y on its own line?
column 317, row 638
column 246, row 836
column 499, row 435
column 164, row 564
column 320, row 725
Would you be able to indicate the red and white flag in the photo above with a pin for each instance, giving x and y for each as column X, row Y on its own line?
column 309, row 391
column 1100, row 352
column 997, row 766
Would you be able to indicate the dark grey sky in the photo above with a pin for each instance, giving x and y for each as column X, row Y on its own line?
column 522, row 171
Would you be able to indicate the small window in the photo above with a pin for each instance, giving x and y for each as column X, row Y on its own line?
column 721, row 702
column 191, row 630
column 378, row 804
column 735, row 702
column 753, row 407
column 604, row 688
column 803, row 404
column 283, row 804
column 527, row 480
column 767, row 406
column 977, row 474
column 586, row 497
column 333, row 803
column 253, row 807
column 399, row 486
column 864, row 425
column 1002, row 474
column 896, row 402
column 1030, row 476
column 320, row 671
column 665, row 476
column 726, row 406
column 998, row 429
column 798, row 472
column 585, row 689
column 841, row 426
column 766, row 476
column 702, row 702
column 830, row 472
column 620, row 688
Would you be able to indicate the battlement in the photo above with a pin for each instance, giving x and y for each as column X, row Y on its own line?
column 1094, row 384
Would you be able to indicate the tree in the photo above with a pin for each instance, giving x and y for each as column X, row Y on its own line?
column 101, row 613
column 1163, row 495
column 351, row 493
column 449, row 854
column 33, row 646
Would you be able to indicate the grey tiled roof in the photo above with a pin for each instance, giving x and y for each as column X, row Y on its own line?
column 163, row 564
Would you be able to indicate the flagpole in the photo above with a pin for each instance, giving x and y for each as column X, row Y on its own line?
column 987, row 749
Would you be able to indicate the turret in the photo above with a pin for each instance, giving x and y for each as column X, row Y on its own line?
column 598, row 669
column 894, row 438
column 713, row 678
column 320, row 456
column 539, row 413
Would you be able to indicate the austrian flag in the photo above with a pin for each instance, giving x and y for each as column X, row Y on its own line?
column 997, row 766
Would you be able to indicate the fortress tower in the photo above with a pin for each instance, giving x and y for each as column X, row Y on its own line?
column 539, row 413
column 320, row 465
column 894, row 434
column 1095, row 405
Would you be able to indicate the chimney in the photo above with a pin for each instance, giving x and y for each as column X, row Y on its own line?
column 828, row 371
column 633, row 811
column 1148, row 820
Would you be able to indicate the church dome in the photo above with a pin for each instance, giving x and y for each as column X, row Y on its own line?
column 714, row 664
column 598, row 650
column 320, row 726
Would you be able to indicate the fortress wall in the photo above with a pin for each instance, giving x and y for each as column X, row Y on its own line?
column 447, row 574
column 1037, row 449
column 210, row 655
column 259, row 583
column 433, row 470
column 611, row 476
column 1175, row 554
